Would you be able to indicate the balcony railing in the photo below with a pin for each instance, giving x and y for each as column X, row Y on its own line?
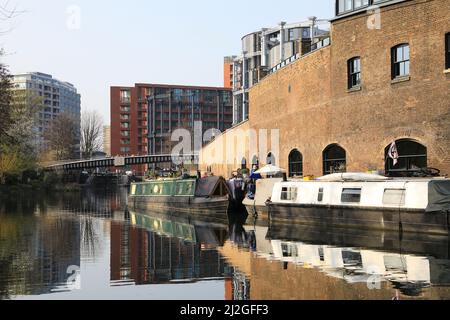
column 314, row 47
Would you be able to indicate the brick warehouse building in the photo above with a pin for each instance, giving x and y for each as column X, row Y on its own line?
column 384, row 77
column 134, row 132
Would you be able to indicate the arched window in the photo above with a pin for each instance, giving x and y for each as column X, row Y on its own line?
column 400, row 61
column 334, row 159
column 244, row 163
column 271, row 159
column 412, row 158
column 255, row 162
column 295, row 164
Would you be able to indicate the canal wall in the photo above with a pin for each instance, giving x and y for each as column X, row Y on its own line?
column 310, row 104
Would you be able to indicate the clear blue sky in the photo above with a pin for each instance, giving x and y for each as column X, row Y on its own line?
column 126, row 42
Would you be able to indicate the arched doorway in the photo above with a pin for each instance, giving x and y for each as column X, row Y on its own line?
column 334, row 159
column 412, row 158
column 255, row 162
column 295, row 164
column 244, row 164
column 271, row 159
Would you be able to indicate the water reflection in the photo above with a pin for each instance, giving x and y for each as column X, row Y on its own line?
column 88, row 246
column 161, row 249
column 319, row 264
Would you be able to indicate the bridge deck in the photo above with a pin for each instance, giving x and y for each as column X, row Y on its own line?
column 121, row 162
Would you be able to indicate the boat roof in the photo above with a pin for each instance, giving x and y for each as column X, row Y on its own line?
column 207, row 186
column 399, row 179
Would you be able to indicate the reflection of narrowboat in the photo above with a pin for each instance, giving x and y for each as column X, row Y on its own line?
column 365, row 201
column 198, row 197
column 211, row 233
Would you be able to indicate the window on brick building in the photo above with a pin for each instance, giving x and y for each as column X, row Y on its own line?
column 354, row 72
column 400, row 61
column 125, row 96
column 295, row 164
column 412, row 159
column 271, row 160
column 447, row 51
column 334, row 159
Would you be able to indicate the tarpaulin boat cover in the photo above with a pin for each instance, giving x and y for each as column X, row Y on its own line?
column 207, row 186
column 439, row 196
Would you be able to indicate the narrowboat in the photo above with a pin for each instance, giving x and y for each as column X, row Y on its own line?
column 258, row 212
column 205, row 197
column 352, row 200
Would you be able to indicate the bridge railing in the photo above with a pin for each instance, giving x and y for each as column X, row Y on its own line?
column 120, row 162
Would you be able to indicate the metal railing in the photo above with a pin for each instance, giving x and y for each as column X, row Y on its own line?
column 314, row 47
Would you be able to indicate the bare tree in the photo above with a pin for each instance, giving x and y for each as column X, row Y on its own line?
column 91, row 133
column 61, row 137
column 8, row 12
column 5, row 101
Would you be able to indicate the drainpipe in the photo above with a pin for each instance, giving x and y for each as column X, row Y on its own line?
column 245, row 84
column 313, row 24
column 263, row 48
column 282, row 41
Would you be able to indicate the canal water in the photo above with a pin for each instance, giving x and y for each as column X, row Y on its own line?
column 89, row 246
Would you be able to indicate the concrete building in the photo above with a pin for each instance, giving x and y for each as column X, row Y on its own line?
column 264, row 52
column 57, row 96
column 144, row 117
column 384, row 78
column 107, row 140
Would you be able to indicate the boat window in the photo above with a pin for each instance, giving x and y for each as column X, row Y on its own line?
column 394, row 197
column 351, row 195
column 289, row 250
column 180, row 189
column 142, row 190
column 320, row 197
column 189, row 188
column 288, row 193
column 133, row 190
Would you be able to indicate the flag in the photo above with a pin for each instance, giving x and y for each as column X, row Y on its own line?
column 393, row 153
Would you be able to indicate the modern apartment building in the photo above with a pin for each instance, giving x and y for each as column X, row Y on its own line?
column 143, row 117
column 57, row 96
column 228, row 72
column 266, row 51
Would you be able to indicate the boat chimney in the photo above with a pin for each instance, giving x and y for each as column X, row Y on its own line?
column 285, row 177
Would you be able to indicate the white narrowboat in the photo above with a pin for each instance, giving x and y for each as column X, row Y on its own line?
column 364, row 201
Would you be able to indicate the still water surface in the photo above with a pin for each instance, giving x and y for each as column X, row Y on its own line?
column 88, row 246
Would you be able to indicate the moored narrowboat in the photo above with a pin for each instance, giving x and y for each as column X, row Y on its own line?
column 366, row 202
column 207, row 196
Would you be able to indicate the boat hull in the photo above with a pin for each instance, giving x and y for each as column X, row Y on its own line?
column 257, row 214
column 216, row 208
column 363, row 218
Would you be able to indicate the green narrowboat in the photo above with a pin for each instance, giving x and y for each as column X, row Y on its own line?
column 208, row 197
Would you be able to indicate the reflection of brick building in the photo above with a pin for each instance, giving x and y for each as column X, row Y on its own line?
column 147, row 258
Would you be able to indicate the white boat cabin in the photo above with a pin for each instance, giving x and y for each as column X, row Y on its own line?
column 366, row 191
